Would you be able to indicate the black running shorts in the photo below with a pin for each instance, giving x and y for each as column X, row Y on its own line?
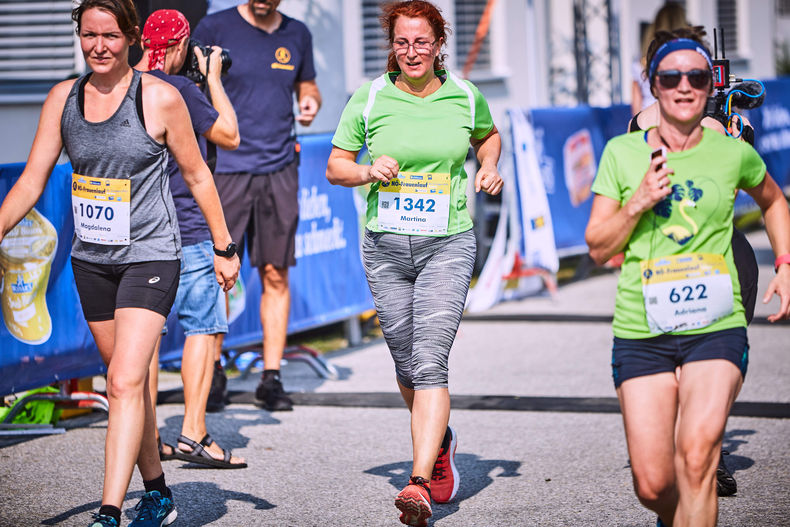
column 663, row 353
column 265, row 207
column 103, row 288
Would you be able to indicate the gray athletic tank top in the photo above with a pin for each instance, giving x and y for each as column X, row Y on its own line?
column 120, row 148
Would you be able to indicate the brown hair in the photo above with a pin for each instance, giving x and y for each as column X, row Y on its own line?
column 123, row 11
column 695, row 33
column 671, row 16
column 413, row 9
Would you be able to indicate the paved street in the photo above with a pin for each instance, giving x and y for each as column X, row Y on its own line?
column 540, row 442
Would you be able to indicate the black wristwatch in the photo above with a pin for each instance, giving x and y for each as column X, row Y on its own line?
column 227, row 253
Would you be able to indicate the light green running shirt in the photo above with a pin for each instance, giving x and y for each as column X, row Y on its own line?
column 695, row 218
column 425, row 135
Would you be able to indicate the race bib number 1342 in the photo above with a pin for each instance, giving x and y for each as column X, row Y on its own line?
column 415, row 203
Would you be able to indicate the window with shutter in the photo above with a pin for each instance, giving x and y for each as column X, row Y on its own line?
column 467, row 17
column 727, row 18
column 37, row 41
column 374, row 56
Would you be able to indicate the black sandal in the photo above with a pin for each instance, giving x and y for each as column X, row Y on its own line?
column 162, row 455
column 200, row 455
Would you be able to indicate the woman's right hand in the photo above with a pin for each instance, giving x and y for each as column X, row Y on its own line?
column 384, row 168
column 655, row 186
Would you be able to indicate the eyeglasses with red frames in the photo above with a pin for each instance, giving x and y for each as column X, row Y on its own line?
column 420, row 46
column 698, row 79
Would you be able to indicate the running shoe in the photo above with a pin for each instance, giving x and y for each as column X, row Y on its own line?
column 414, row 502
column 270, row 395
column 445, row 478
column 725, row 483
column 154, row 510
column 102, row 520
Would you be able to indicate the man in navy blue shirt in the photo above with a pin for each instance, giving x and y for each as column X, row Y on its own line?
column 258, row 183
column 199, row 303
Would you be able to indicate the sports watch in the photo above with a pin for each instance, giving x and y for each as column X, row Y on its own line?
column 228, row 252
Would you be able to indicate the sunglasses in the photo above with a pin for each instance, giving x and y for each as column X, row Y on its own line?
column 669, row 79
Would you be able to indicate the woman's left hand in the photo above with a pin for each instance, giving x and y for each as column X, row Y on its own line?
column 780, row 286
column 226, row 270
column 488, row 180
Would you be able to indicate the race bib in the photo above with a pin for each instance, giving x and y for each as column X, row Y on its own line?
column 415, row 203
column 101, row 209
column 686, row 291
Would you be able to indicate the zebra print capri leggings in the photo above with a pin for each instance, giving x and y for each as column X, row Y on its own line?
column 419, row 286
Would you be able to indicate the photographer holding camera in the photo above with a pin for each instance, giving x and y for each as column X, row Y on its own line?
column 199, row 302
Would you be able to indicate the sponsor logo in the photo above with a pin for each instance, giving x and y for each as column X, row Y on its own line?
column 153, row 280
column 283, row 57
column 126, row 124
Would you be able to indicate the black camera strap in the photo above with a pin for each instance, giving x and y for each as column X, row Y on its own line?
column 211, row 148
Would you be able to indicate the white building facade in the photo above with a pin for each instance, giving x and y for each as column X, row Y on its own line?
column 531, row 55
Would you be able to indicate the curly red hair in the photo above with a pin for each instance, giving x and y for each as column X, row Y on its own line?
column 413, row 9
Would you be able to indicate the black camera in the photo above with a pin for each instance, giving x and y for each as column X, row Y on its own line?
column 747, row 94
column 191, row 69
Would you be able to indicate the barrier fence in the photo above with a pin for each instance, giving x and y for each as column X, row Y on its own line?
column 45, row 338
column 569, row 142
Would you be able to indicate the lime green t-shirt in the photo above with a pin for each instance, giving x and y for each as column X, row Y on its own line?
column 695, row 218
column 429, row 134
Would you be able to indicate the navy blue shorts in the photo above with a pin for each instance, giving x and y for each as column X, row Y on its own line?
column 639, row 357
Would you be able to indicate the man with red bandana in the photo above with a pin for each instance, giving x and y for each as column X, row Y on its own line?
column 199, row 303
column 258, row 183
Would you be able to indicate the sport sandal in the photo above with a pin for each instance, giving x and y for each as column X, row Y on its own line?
column 200, row 455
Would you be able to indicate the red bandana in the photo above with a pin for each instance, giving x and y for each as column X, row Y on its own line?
column 164, row 28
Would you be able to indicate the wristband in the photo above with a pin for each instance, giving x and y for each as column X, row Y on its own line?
column 783, row 259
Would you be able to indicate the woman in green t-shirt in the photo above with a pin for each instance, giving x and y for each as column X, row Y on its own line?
column 417, row 122
column 665, row 196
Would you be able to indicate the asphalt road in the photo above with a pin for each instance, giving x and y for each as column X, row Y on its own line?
column 540, row 439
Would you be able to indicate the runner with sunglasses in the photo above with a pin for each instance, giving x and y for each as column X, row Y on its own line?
column 742, row 251
column 678, row 302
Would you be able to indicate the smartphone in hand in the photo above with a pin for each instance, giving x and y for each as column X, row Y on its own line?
column 660, row 151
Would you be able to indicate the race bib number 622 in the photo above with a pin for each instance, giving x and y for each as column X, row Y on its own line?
column 101, row 208
column 686, row 291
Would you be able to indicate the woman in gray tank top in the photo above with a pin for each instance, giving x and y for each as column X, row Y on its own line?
column 125, row 226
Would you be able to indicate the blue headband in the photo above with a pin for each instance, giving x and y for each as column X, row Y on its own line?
column 676, row 45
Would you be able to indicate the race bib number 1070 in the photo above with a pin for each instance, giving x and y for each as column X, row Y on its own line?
column 101, row 208
column 415, row 203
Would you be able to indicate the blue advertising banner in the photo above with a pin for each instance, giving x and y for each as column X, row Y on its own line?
column 327, row 284
column 569, row 142
column 45, row 338
column 771, row 123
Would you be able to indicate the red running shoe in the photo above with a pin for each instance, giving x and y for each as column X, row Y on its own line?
column 445, row 478
column 414, row 502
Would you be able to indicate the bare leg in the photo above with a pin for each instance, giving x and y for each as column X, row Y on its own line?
column 429, row 417
column 707, row 390
column 127, row 345
column 197, row 368
column 649, row 408
column 275, row 305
